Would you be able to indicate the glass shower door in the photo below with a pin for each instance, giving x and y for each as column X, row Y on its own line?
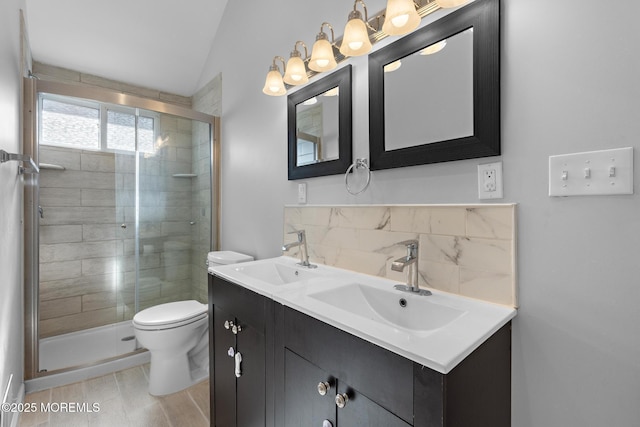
column 164, row 200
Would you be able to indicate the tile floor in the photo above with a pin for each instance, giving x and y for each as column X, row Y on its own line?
column 124, row 401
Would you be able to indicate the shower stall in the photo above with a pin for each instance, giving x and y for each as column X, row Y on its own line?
column 120, row 218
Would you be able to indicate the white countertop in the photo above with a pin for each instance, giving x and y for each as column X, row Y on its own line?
column 439, row 348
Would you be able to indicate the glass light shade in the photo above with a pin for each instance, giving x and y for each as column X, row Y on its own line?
column 322, row 58
column 392, row 66
column 332, row 92
column 450, row 3
column 400, row 17
column 434, row 48
column 274, row 85
column 310, row 101
column 356, row 38
column 296, row 73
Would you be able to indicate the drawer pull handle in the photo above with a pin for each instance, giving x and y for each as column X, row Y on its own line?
column 341, row 400
column 323, row 388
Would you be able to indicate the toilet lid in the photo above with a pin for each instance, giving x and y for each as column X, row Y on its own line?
column 169, row 313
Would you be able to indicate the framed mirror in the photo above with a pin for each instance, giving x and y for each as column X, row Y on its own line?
column 434, row 95
column 319, row 127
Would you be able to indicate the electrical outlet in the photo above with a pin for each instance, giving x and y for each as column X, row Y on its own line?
column 490, row 181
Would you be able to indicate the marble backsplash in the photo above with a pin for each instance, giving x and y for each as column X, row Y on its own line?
column 468, row 250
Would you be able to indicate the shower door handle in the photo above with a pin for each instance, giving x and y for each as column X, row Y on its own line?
column 41, row 211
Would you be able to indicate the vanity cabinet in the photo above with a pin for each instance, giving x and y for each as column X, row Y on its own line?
column 385, row 389
column 239, row 323
column 294, row 367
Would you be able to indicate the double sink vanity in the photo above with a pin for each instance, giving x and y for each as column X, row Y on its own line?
column 327, row 347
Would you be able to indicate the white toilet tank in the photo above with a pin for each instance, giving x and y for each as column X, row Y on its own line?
column 226, row 257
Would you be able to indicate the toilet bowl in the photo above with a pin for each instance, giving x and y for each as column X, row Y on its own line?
column 176, row 335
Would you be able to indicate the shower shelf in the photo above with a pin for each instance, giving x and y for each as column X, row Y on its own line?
column 184, row 175
column 52, row 167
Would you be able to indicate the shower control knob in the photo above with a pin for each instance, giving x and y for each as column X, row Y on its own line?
column 341, row 400
column 323, row 388
column 235, row 329
column 123, row 226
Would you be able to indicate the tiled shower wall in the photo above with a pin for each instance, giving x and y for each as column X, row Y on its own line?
column 463, row 249
column 87, row 267
column 209, row 101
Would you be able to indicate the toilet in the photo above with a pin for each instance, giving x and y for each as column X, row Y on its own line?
column 176, row 335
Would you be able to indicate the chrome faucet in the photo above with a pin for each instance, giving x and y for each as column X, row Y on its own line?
column 411, row 261
column 304, row 252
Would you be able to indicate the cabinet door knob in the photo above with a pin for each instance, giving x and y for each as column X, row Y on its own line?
column 323, row 388
column 341, row 400
column 327, row 423
column 228, row 324
column 235, row 329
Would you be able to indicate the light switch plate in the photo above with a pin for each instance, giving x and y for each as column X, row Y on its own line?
column 490, row 181
column 302, row 193
column 603, row 172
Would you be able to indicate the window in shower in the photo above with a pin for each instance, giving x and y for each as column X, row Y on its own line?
column 69, row 123
column 87, row 125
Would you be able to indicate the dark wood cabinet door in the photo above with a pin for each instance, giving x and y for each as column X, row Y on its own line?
column 250, row 386
column 303, row 405
column 359, row 411
column 224, row 379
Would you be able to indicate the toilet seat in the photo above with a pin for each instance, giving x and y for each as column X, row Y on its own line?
column 170, row 315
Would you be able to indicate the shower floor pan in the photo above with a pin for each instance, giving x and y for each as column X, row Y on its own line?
column 87, row 346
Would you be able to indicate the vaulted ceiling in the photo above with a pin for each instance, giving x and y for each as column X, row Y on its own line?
column 158, row 44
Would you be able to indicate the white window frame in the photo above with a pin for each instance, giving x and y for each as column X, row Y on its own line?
column 102, row 119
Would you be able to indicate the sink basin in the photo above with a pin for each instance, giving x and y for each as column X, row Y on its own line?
column 414, row 313
column 277, row 274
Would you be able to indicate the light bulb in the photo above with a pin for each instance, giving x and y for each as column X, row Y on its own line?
column 400, row 21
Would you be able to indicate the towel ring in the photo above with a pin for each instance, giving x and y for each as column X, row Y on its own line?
column 360, row 163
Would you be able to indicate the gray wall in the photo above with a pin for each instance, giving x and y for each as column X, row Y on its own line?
column 567, row 86
column 11, row 343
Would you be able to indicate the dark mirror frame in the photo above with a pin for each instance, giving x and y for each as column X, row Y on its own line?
column 484, row 17
column 342, row 79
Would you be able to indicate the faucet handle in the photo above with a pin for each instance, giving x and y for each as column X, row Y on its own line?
column 411, row 244
column 300, row 233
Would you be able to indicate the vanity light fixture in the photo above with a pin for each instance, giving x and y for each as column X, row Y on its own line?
column 360, row 33
column 401, row 17
column 296, row 72
column 450, row 3
column 322, row 57
column 356, row 35
column 273, row 85
column 434, row 48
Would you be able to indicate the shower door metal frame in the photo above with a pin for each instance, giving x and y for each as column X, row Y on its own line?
column 31, row 197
